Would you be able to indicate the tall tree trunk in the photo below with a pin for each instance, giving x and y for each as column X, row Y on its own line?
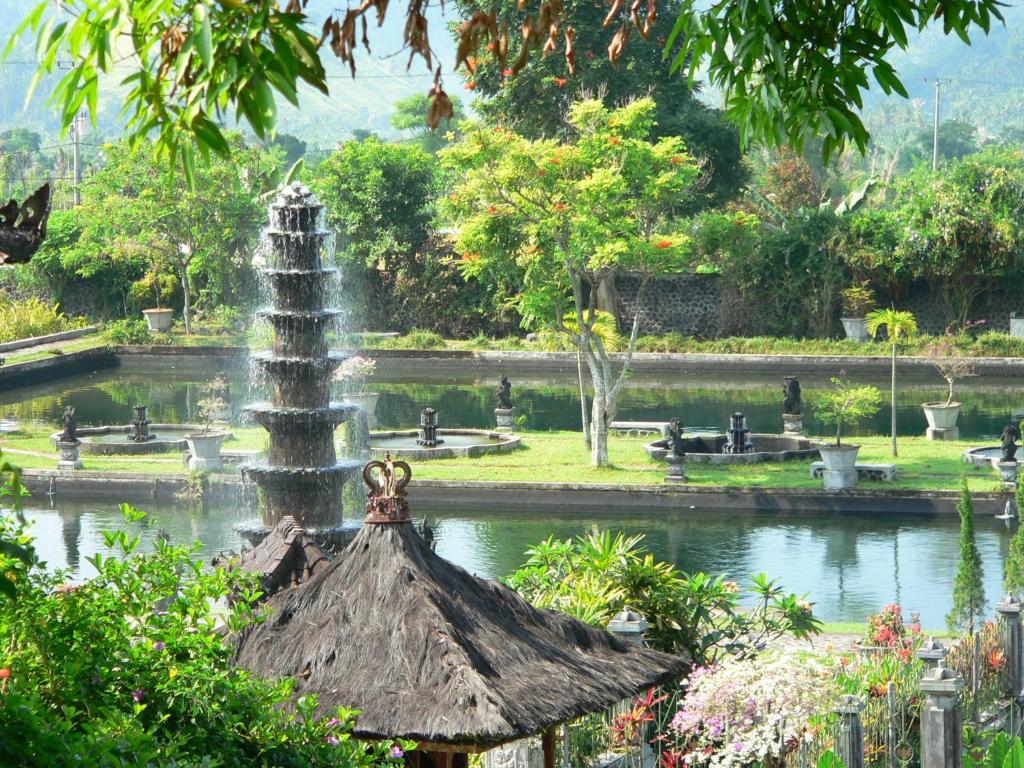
column 583, row 400
column 599, row 427
column 893, row 398
column 186, row 291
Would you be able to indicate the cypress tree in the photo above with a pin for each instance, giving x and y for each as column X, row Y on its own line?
column 1013, row 570
column 968, row 587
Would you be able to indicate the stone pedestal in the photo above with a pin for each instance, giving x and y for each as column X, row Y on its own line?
column 69, row 455
column 1012, row 643
column 1007, row 473
column 505, row 418
column 950, row 433
column 941, row 720
column 792, row 424
column 839, row 480
column 629, row 626
column 676, row 469
column 850, row 736
column 1016, row 326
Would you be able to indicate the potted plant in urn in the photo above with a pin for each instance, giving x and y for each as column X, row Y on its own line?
column 159, row 285
column 858, row 300
column 952, row 367
column 844, row 404
column 204, row 447
column 352, row 375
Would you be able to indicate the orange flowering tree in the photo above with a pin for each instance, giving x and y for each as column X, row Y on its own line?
column 557, row 219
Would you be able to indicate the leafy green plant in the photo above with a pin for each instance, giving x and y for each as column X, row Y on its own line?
column 595, row 576
column 128, row 331
column 846, row 404
column 211, row 405
column 25, row 318
column 128, row 669
column 418, row 338
column 1003, row 752
column 858, row 299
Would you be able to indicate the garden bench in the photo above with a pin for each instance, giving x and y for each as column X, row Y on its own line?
column 641, row 428
column 883, row 472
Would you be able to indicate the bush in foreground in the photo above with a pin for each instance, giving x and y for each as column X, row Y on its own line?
column 127, row 669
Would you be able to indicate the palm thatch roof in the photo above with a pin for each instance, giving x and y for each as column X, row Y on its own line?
column 287, row 557
column 429, row 652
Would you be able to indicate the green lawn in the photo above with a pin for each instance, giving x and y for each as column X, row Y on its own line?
column 91, row 341
column 560, row 457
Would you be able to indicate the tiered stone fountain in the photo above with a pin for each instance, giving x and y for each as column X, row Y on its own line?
column 302, row 476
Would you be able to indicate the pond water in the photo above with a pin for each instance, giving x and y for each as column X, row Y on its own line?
column 544, row 402
column 850, row 566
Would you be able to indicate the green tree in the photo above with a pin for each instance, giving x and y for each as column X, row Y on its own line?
column 535, row 101
column 135, row 211
column 1013, row 568
column 968, row 587
column 957, row 139
column 565, row 217
column 898, row 326
column 846, row 404
column 191, row 65
column 410, row 117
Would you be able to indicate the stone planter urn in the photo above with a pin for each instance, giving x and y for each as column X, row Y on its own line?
column 1007, row 473
column 159, row 320
column 856, row 328
column 941, row 420
column 840, row 466
column 366, row 402
column 204, row 449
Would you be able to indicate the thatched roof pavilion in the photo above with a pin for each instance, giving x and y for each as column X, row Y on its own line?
column 287, row 557
column 431, row 653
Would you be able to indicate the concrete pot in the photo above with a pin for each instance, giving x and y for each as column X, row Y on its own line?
column 940, row 415
column 839, row 458
column 204, row 449
column 159, row 319
column 366, row 402
column 856, row 328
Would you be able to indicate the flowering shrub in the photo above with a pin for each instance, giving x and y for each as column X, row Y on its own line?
column 887, row 630
column 745, row 712
column 128, row 669
column 354, row 372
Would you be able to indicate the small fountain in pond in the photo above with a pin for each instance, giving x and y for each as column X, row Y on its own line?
column 428, row 429
column 140, row 426
column 302, row 476
column 737, row 440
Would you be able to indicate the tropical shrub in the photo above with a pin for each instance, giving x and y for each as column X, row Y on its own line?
column 128, row 332
column 846, row 404
column 22, row 319
column 744, row 712
column 593, row 577
column 128, row 669
column 887, row 629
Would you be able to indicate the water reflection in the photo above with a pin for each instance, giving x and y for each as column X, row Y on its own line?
column 850, row 565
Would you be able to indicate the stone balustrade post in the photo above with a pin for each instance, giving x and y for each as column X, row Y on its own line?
column 932, row 653
column 850, row 739
column 1011, row 639
column 941, row 719
column 629, row 626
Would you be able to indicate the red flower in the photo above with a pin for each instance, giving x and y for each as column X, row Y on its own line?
column 471, row 85
column 5, row 673
column 561, row 207
column 675, row 160
column 493, row 210
column 614, row 141
column 560, row 82
column 507, row 72
column 663, row 244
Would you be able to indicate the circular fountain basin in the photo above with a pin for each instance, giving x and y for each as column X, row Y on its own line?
column 707, row 449
column 984, row 457
column 109, row 441
column 457, row 442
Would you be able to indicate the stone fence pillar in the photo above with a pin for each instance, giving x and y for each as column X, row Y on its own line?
column 1012, row 643
column 932, row 653
column 941, row 719
column 629, row 626
column 850, row 739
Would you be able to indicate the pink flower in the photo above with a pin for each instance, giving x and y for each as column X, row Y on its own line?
column 138, row 695
column 396, row 752
column 159, row 645
column 332, row 740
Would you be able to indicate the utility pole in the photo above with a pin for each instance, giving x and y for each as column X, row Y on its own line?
column 76, row 136
column 935, row 130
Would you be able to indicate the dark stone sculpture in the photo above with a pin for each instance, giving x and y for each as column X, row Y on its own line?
column 736, row 436
column 428, row 429
column 791, row 396
column 504, row 393
column 1011, row 433
column 675, row 438
column 23, row 226
column 69, row 434
column 140, row 426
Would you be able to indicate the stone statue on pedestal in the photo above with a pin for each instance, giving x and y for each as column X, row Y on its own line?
column 1011, row 434
column 504, row 393
column 69, row 435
